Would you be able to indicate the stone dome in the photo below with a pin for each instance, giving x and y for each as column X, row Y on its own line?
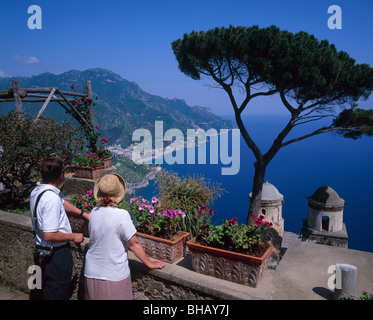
column 270, row 192
column 326, row 196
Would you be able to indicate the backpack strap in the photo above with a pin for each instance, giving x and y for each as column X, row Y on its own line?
column 35, row 224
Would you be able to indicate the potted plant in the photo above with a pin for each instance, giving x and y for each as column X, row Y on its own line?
column 105, row 155
column 230, row 251
column 84, row 202
column 88, row 165
column 158, row 230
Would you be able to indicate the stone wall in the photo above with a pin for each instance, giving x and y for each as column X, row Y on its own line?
column 174, row 282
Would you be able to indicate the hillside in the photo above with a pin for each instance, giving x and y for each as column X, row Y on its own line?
column 121, row 106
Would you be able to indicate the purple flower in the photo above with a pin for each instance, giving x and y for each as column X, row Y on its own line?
column 142, row 207
column 169, row 213
column 150, row 208
column 132, row 200
column 89, row 193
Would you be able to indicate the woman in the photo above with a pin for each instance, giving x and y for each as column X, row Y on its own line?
column 112, row 233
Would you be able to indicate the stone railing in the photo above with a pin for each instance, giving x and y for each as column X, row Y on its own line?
column 175, row 281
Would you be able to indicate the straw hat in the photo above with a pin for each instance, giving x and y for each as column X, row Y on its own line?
column 110, row 185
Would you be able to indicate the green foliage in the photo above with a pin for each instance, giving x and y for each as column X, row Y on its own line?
column 153, row 220
column 24, row 143
column 88, row 160
column 365, row 296
column 310, row 76
column 104, row 153
column 186, row 193
column 297, row 64
column 229, row 235
column 85, row 202
column 82, row 106
column 359, row 119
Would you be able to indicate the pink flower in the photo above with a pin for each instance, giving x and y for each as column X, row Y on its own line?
column 232, row 221
column 150, row 208
column 132, row 200
column 169, row 213
column 154, row 200
column 89, row 193
column 79, row 196
column 179, row 212
column 87, row 205
column 142, row 207
column 268, row 223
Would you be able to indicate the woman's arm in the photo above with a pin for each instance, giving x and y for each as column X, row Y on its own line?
column 136, row 247
column 74, row 211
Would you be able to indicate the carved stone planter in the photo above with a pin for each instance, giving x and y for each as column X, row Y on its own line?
column 162, row 249
column 228, row 265
column 88, row 172
column 107, row 162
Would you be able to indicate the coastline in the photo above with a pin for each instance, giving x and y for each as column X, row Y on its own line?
column 132, row 186
column 156, row 154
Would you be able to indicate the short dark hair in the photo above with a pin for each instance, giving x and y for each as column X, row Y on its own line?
column 51, row 169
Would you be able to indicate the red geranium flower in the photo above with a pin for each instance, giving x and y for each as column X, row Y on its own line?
column 107, row 200
column 233, row 220
column 104, row 140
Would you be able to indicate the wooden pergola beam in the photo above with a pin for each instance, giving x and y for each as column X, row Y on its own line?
column 19, row 95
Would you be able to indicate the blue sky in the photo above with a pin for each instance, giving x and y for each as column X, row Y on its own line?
column 133, row 38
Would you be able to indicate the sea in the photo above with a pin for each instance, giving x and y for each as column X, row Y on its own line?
column 297, row 171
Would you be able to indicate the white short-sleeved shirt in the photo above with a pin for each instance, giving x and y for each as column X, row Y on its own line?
column 50, row 213
column 109, row 230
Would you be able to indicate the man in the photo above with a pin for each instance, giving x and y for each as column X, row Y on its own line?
column 53, row 232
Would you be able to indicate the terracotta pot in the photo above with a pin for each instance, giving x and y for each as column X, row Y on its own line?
column 107, row 162
column 228, row 265
column 162, row 249
column 88, row 172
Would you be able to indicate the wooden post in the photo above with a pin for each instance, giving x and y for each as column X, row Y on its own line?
column 45, row 104
column 91, row 114
column 17, row 97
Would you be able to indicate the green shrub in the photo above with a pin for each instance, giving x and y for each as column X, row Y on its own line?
column 186, row 194
column 23, row 145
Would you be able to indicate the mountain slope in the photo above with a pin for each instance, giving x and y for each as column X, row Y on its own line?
column 121, row 106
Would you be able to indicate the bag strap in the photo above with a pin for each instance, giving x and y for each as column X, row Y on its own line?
column 34, row 214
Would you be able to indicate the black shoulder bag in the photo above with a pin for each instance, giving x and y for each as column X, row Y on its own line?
column 41, row 254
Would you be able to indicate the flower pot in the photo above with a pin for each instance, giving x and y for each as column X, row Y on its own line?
column 88, row 172
column 107, row 162
column 162, row 249
column 228, row 265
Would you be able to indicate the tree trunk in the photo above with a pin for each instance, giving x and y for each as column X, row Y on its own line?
column 256, row 194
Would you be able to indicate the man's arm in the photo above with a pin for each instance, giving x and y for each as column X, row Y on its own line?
column 63, row 237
